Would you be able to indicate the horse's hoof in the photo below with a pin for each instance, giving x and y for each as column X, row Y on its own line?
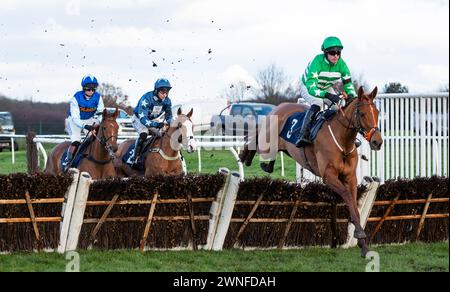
column 360, row 234
column 248, row 159
column 364, row 252
column 363, row 246
column 266, row 167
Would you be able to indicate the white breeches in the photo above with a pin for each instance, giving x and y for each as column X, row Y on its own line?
column 74, row 131
column 312, row 99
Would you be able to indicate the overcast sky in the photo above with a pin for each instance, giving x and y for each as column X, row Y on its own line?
column 47, row 46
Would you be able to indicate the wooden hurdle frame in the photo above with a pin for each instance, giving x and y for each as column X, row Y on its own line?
column 220, row 215
column 422, row 217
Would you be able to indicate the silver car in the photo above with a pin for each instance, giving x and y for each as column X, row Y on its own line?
column 124, row 122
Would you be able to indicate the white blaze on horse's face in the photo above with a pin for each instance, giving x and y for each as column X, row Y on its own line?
column 188, row 136
column 184, row 134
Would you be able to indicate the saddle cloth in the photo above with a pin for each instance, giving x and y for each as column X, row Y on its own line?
column 129, row 154
column 291, row 129
column 78, row 156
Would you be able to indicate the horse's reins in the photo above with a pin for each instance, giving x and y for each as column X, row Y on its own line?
column 368, row 134
column 163, row 154
column 104, row 142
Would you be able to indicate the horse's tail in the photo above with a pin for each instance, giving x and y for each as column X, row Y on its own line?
column 51, row 167
column 251, row 144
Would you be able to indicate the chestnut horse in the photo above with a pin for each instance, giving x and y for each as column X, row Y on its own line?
column 332, row 155
column 163, row 157
column 98, row 157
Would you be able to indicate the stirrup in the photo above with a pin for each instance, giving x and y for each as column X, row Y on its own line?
column 303, row 141
column 66, row 165
column 135, row 162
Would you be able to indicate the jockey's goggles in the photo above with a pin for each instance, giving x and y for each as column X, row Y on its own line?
column 89, row 88
column 334, row 53
column 163, row 90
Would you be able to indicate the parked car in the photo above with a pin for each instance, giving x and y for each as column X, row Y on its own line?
column 124, row 122
column 242, row 116
column 7, row 127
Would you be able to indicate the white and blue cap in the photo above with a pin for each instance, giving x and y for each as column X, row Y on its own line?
column 89, row 80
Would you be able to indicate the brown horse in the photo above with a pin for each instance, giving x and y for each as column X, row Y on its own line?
column 98, row 156
column 163, row 156
column 332, row 155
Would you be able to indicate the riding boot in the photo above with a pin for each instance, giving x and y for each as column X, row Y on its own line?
column 70, row 154
column 305, row 130
column 138, row 148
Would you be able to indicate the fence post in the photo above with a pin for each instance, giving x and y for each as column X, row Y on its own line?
column 13, row 151
column 227, row 211
column 183, row 164
column 216, row 208
column 67, row 208
column 365, row 204
column 32, row 154
column 79, row 206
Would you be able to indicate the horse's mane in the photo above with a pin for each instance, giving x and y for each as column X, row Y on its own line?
column 347, row 104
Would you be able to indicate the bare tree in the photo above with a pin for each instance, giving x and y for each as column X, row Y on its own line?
column 292, row 93
column 272, row 88
column 271, row 81
column 443, row 88
column 357, row 80
column 236, row 91
column 113, row 96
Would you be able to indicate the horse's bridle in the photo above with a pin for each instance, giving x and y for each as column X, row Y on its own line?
column 104, row 142
column 179, row 126
column 367, row 133
column 180, row 140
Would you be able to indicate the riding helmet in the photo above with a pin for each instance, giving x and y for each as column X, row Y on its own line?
column 162, row 83
column 332, row 43
column 89, row 80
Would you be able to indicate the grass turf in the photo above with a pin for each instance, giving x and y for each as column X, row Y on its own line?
column 211, row 162
column 393, row 258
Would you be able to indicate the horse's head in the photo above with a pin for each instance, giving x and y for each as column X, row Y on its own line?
column 184, row 131
column 366, row 116
column 108, row 131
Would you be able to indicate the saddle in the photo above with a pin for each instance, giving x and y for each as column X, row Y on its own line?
column 293, row 125
column 146, row 149
column 78, row 156
column 319, row 120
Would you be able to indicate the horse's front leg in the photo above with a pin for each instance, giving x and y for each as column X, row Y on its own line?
column 109, row 172
column 330, row 178
column 352, row 184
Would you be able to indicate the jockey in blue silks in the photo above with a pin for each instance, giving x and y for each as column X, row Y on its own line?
column 151, row 106
column 83, row 107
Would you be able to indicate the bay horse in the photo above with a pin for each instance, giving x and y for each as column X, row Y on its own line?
column 332, row 155
column 97, row 158
column 163, row 157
